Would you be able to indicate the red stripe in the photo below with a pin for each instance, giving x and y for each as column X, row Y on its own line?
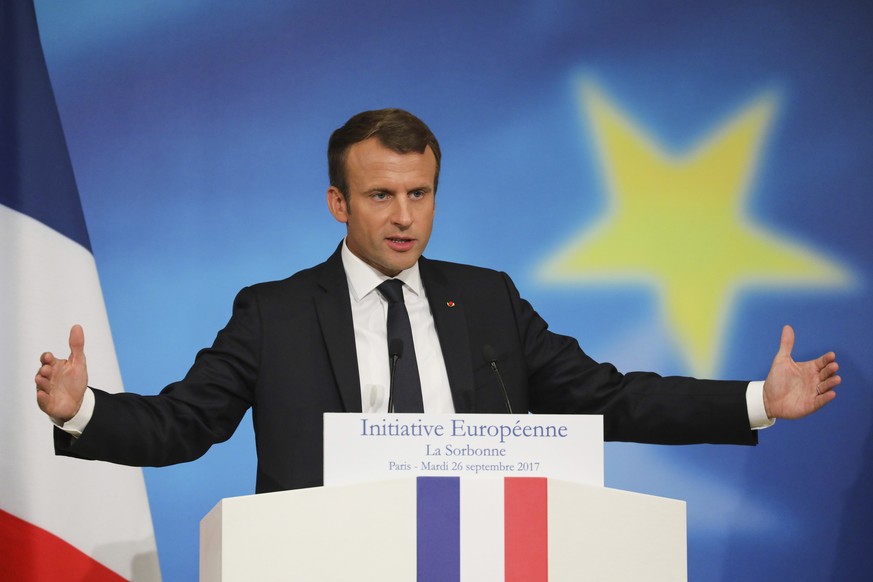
column 29, row 553
column 526, row 529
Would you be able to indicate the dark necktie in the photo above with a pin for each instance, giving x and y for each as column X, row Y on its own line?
column 407, row 384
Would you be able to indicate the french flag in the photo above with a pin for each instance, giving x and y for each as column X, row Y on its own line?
column 60, row 518
column 509, row 532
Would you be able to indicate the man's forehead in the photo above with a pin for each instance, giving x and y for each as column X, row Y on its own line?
column 371, row 161
column 373, row 147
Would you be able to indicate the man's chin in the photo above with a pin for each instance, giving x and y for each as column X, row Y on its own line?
column 397, row 266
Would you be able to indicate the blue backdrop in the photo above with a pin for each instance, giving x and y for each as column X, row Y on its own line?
column 670, row 182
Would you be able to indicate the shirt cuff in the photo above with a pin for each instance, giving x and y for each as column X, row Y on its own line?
column 758, row 418
column 77, row 424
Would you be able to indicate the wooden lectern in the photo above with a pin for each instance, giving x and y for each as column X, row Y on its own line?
column 374, row 531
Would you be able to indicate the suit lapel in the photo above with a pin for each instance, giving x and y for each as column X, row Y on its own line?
column 447, row 307
column 335, row 317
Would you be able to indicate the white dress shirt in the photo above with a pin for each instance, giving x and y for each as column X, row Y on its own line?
column 370, row 317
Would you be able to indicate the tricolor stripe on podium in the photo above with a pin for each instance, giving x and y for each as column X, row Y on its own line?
column 60, row 518
column 504, row 536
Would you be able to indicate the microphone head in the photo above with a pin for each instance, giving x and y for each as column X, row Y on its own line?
column 395, row 347
column 489, row 354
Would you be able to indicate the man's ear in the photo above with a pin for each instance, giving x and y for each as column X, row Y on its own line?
column 337, row 204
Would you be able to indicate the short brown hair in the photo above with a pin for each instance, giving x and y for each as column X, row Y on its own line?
column 396, row 129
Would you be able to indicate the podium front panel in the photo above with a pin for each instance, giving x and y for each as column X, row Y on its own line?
column 533, row 529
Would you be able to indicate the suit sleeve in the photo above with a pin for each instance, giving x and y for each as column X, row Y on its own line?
column 637, row 407
column 187, row 417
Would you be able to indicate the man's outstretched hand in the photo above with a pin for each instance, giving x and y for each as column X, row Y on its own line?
column 61, row 384
column 796, row 389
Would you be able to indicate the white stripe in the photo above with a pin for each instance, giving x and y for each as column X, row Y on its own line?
column 48, row 283
column 482, row 530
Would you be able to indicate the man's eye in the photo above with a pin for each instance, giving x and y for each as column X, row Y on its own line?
column 417, row 194
column 380, row 195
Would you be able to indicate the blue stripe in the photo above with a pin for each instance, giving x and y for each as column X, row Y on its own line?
column 36, row 175
column 439, row 529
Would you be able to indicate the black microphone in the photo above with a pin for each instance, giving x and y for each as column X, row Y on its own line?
column 491, row 358
column 395, row 351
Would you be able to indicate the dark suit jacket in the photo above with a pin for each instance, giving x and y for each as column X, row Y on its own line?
column 288, row 352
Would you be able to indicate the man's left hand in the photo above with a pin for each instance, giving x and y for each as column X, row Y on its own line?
column 796, row 389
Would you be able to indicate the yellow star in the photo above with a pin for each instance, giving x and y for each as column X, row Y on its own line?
column 678, row 224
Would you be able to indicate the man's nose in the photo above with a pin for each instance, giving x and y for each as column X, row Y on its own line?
column 402, row 213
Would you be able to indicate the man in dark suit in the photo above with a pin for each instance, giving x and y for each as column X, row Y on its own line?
column 317, row 342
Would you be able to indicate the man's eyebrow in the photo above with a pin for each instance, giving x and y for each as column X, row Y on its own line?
column 423, row 188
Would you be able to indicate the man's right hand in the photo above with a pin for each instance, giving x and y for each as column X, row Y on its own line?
column 61, row 384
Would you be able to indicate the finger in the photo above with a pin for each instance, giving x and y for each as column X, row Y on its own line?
column 77, row 342
column 829, row 384
column 46, row 358
column 44, row 401
column 824, row 391
column 43, row 381
column 824, row 398
column 828, row 371
column 43, row 377
column 786, row 344
column 826, row 360
column 44, row 371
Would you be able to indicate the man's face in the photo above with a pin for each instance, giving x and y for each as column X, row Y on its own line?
column 389, row 214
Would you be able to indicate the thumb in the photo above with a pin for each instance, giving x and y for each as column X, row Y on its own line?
column 77, row 342
column 786, row 344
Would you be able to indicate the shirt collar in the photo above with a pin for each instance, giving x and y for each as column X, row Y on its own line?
column 363, row 279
